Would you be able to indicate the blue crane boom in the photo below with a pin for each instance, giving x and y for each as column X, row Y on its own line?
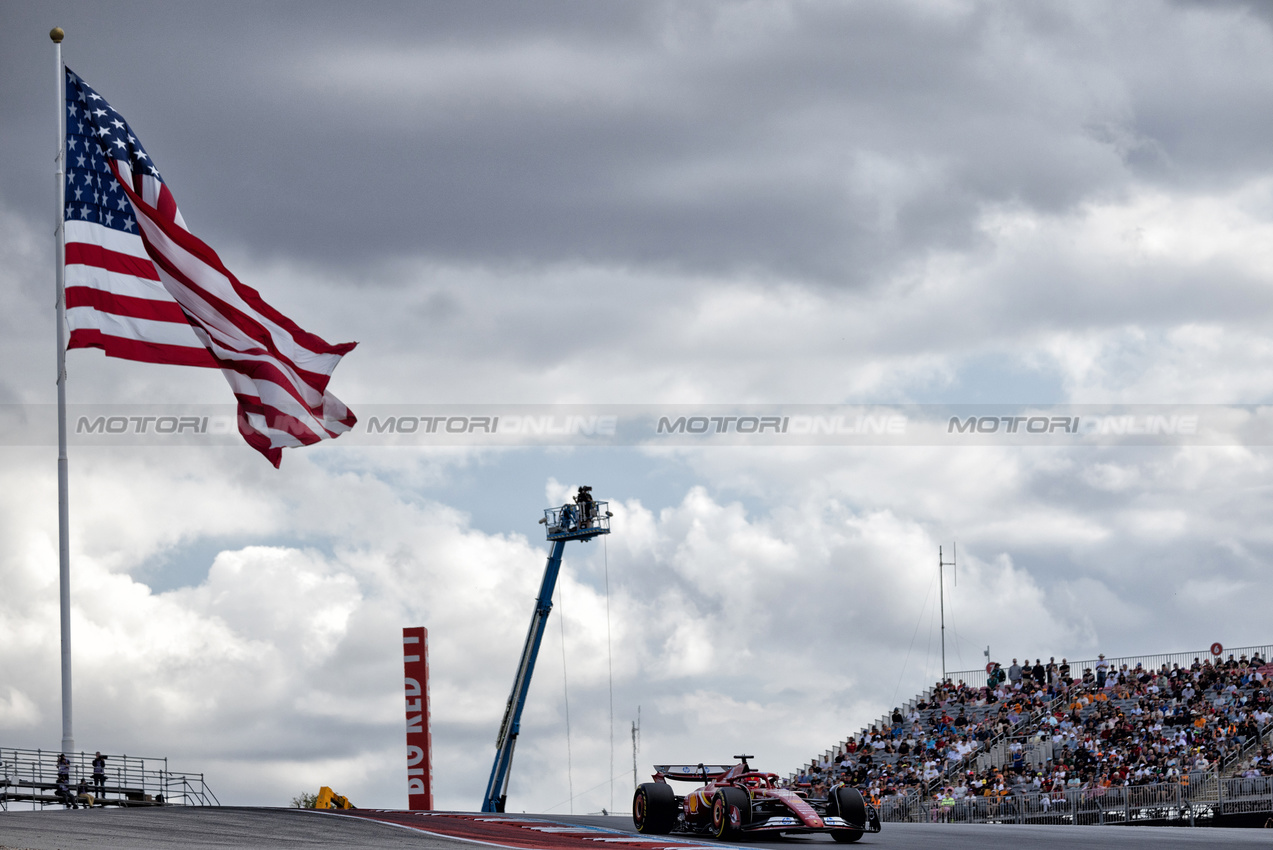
column 582, row 519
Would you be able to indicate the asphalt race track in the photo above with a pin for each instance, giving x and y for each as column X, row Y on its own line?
column 913, row 836
column 200, row 829
column 251, row 828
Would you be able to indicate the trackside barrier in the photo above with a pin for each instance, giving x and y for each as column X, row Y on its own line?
column 29, row 777
column 1200, row 798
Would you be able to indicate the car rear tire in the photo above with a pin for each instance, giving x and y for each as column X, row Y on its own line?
column 731, row 810
column 847, row 803
column 654, row 808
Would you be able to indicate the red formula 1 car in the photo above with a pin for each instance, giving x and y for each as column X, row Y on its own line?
column 737, row 801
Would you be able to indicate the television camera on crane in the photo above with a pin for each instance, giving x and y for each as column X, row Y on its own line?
column 582, row 519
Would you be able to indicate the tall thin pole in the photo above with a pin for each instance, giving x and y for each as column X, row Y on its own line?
column 636, row 744
column 610, row 670
column 941, row 595
column 63, row 511
column 942, row 564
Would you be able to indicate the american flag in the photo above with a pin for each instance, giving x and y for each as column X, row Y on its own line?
column 140, row 286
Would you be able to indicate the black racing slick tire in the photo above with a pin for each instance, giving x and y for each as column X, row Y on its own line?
column 731, row 810
column 654, row 808
column 847, row 803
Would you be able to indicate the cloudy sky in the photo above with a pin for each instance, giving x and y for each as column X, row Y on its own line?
column 887, row 203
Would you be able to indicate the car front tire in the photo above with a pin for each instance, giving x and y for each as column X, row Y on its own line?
column 731, row 809
column 847, row 803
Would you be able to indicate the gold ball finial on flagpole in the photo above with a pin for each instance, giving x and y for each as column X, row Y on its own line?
column 57, row 35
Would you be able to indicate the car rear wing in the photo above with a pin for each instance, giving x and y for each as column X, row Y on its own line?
column 692, row 772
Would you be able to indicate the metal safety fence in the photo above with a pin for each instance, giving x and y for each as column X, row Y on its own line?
column 29, row 778
column 1193, row 799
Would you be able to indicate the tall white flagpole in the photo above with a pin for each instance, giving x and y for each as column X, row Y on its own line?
column 63, row 511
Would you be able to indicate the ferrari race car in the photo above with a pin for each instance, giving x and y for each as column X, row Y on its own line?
column 737, row 801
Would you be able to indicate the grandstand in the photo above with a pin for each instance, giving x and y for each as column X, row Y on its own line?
column 1160, row 738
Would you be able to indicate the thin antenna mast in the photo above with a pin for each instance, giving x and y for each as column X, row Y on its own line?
column 636, row 745
column 942, row 563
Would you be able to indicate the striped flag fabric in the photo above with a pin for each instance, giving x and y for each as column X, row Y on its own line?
column 140, row 286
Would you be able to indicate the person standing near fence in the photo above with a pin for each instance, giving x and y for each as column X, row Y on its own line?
column 99, row 774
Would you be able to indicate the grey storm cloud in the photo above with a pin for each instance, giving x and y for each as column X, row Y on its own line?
column 815, row 141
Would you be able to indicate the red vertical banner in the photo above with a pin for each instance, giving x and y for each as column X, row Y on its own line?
column 415, row 667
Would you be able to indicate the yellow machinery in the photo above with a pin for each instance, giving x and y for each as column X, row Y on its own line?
column 329, row 799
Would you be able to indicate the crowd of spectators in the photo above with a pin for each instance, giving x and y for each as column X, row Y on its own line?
column 1259, row 764
column 1121, row 727
column 915, row 748
column 1055, row 732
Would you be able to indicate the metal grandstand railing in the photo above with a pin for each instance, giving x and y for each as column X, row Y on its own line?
column 1199, row 797
column 29, row 777
column 977, row 678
